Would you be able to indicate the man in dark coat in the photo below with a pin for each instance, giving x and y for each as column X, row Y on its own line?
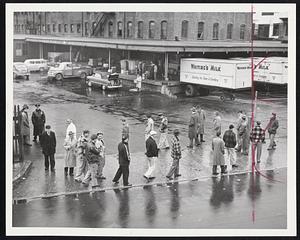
column 124, row 160
column 272, row 129
column 152, row 154
column 48, row 144
column 38, row 119
column 193, row 125
column 229, row 138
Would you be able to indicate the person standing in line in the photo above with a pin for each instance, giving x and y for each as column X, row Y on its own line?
column 218, row 146
column 81, row 162
column 70, row 155
column 48, row 144
column 217, row 123
column 272, row 129
column 124, row 161
column 38, row 119
column 242, row 132
column 239, row 121
column 101, row 147
column 125, row 128
column 193, row 124
column 201, row 122
column 149, row 126
column 257, row 137
column 176, row 155
column 152, row 155
column 71, row 127
column 163, row 140
column 92, row 156
column 24, row 125
column 229, row 138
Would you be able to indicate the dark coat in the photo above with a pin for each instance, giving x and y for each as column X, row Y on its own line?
column 193, row 125
column 273, row 126
column 229, row 138
column 92, row 153
column 151, row 147
column 48, row 143
column 38, row 120
column 124, row 159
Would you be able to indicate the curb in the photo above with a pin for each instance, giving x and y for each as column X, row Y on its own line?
column 22, row 172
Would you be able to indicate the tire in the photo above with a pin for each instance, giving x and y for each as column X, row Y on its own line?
column 83, row 75
column 190, row 90
column 59, row 77
column 15, row 75
column 222, row 97
column 232, row 98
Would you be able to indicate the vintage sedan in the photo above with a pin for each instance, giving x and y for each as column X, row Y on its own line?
column 20, row 70
column 69, row 70
column 104, row 80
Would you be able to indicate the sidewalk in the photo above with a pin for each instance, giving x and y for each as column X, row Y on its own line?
column 195, row 163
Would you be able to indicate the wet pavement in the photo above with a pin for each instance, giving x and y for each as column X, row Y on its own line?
column 98, row 110
column 243, row 201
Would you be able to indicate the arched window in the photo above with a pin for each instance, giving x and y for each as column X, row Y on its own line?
column 200, row 30
column 164, row 29
column 129, row 30
column 94, row 24
column 151, row 29
column 140, row 29
column 242, row 31
column 184, row 29
column 120, row 29
column 216, row 31
column 229, row 30
column 110, row 29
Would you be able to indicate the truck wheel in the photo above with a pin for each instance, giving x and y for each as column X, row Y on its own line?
column 59, row 77
column 232, row 98
column 189, row 90
column 83, row 75
column 222, row 97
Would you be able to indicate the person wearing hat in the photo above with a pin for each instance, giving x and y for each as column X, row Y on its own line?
column 193, row 125
column 149, row 126
column 101, row 147
column 242, row 144
column 38, row 119
column 125, row 128
column 93, row 158
column 124, row 161
column 81, row 162
column 163, row 129
column 272, row 130
column 217, row 123
column 48, row 144
column 201, row 123
column 176, row 155
column 229, row 138
column 257, row 136
column 218, row 148
column 70, row 127
column 24, row 126
column 152, row 154
column 70, row 154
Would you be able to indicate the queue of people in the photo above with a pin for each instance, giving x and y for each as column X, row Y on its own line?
column 85, row 156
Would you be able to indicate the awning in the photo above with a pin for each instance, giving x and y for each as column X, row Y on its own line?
column 162, row 45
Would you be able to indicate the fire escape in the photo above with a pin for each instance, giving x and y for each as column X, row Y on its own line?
column 98, row 28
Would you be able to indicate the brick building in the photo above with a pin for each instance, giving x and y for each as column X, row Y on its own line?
column 159, row 37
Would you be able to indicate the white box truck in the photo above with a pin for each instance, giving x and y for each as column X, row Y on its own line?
column 202, row 75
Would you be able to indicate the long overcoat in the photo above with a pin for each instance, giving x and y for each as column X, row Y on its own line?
column 48, row 143
column 218, row 146
column 201, row 122
column 217, row 124
column 24, row 125
column 193, row 125
column 70, row 155
column 38, row 119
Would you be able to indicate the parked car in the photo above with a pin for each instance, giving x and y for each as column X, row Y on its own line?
column 104, row 80
column 69, row 70
column 36, row 64
column 20, row 70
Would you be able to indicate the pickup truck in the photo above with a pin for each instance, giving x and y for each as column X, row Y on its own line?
column 69, row 70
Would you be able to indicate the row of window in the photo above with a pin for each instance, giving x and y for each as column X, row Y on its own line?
column 215, row 30
column 140, row 29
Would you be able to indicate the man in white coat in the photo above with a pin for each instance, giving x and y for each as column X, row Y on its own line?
column 71, row 128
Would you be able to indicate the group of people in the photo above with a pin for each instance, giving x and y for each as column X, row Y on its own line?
column 87, row 153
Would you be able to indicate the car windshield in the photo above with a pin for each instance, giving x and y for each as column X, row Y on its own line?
column 20, row 66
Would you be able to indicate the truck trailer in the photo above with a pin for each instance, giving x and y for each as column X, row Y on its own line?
column 201, row 75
